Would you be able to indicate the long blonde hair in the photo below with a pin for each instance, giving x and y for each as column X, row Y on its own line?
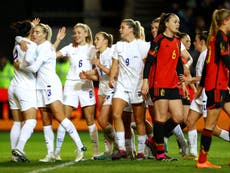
column 86, row 28
column 136, row 25
column 218, row 17
column 46, row 29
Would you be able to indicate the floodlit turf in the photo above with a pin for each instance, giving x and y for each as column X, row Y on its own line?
column 36, row 149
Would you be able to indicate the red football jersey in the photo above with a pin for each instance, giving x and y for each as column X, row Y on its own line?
column 166, row 63
column 217, row 74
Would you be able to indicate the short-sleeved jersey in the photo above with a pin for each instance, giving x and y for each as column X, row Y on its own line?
column 106, row 60
column 199, row 68
column 45, row 66
column 200, row 63
column 79, row 58
column 131, row 57
column 216, row 75
column 23, row 78
column 167, row 53
column 153, row 54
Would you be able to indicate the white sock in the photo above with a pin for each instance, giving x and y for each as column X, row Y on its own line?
column 109, row 132
column 26, row 132
column 15, row 133
column 224, row 135
column 120, row 140
column 141, row 143
column 181, row 139
column 192, row 139
column 49, row 139
column 133, row 125
column 128, row 144
column 108, row 146
column 60, row 138
column 133, row 145
column 166, row 144
column 179, row 134
column 93, row 133
column 72, row 131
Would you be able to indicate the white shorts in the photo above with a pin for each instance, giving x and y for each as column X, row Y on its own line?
column 128, row 96
column 148, row 101
column 108, row 99
column 104, row 89
column 49, row 95
column 128, row 108
column 21, row 98
column 199, row 108
column 75, row 92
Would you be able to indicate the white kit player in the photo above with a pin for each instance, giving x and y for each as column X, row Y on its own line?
column 103, row 62
column 22, row 93
column 49, row 88
column 128, row 63
column 77, row 90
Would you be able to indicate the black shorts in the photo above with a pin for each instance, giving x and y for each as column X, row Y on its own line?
column 227, row 98
column 216, row 98
column 185, row 100
column 164, row 93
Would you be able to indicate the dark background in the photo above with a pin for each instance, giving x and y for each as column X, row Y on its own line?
column 108, row 14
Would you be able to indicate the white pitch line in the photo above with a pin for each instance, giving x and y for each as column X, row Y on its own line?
column 53, row 167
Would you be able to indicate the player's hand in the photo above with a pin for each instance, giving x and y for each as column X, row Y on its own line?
column 61, row 33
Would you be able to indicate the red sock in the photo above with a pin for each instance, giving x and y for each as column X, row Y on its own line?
column 160, row 148
column 202, row 156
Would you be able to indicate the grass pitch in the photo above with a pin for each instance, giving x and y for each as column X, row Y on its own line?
column 36, row 149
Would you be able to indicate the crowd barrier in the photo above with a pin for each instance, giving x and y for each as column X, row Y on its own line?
column 78, row 118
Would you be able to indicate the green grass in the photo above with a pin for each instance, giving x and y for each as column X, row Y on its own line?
column 36, row 149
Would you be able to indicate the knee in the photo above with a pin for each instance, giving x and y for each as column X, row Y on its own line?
column 102, row 122
column 178, row 120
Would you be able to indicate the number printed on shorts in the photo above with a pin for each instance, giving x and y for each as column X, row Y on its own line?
column 48, row 92
column 90, row 94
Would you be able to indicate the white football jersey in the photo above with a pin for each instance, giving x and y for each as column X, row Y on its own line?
column 79, row 58
column 45, row 66
column 105, row 60
column 21, row 77
column 200, row 63
column 131, row 57
column 199, row 68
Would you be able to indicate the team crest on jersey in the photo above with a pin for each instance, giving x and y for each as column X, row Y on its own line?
column 162, row 92
column 224, row 50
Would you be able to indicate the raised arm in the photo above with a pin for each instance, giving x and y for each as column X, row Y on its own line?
column 60, row 36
